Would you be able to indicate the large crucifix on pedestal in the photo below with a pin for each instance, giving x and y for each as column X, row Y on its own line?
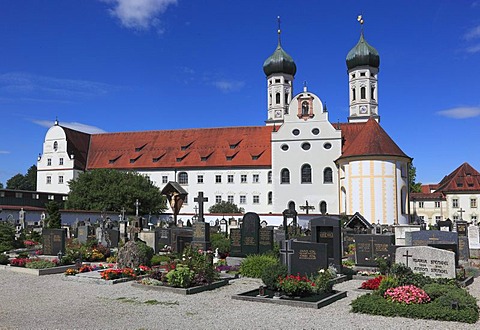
column 461, row 213
column 200, row 200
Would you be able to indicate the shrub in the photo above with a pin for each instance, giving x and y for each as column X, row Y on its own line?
column 220, row 242
column 3, row 259
column 146, row 253
column 387, row 283
column 297, row 285
column 373, row 283
column 435, row 290
column 460, row 296
column 253, row 265
column 271, row 273
column 40, row 264
column 408, row 294
column 7, row 236
column 384, row 264
column 159, row 259
column 181, row 276
column 323, row 280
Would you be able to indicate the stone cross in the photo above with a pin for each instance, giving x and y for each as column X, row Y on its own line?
column 137, row 204
column 406, row 255
column 461, row 213
column 286, row 253
column 307, row 207
column 200, row 200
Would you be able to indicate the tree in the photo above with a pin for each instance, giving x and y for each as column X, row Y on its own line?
column 7, row 236
column 54, row 218
column 412, row 176
column 24, row 182
column 112, row 190
column 1, row 185
column 225, row 207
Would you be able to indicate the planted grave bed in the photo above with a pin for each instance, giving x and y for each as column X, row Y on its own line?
column 186, row 291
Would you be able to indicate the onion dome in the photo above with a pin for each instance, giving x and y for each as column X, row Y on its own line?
column 279, row 62
column 362, row 54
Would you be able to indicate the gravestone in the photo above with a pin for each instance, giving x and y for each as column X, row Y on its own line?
column 445, row 225
column 401, row 230
column 201, row 236
column 82, row 234
column 304, row 258
column 164, row 238
column 369, row 247
column 224, row 226
column 446, row 240
column 347, row 239
column 326, row 229
column 265, row 240
column 463, row 245
column 236, row 242
column 149, row 237
column 250, row 233
column 278, row 236
column 181, row 238
column 53, row 241
column 427, row 260
column 113, row 237
column 473, row 237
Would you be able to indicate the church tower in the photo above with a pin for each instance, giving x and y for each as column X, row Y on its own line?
column 280, row 70
column 363, row 64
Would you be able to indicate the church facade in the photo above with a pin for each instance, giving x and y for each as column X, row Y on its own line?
column 298, row 158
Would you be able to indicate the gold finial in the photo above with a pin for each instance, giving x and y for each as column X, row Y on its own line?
column 279, row 31
column 360, row 20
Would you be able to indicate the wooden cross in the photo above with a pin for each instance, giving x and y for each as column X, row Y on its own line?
column 461, row 213
column 286, row 252
column 406, row 257
column 200, row 200
column 307, row 207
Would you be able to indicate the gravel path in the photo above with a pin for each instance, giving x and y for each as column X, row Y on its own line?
column 49, row 302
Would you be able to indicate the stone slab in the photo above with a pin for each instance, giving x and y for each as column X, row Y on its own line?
column 184, row 291
column 427, row 260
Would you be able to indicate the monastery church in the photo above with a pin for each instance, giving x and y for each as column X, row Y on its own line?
column 297, row 157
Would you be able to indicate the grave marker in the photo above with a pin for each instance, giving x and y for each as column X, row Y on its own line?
column 473, row 237
column 427, row 260
column 371, row 246
column 250, row 233
column 53, row 241
column 201, row 236
column 265, row 240
column 236, row 242
column 326, row 229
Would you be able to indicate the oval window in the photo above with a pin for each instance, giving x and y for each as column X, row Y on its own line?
column 306, row 146
column 284, row 147
column 315, row 131
column 327, row 145
column 296, row 132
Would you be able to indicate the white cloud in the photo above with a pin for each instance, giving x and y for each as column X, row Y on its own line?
column 473, row 49
column 227, row 86
column 4, row 152
column 73, row 125
column 460, row 112
column 139, row 14
column 473, row 33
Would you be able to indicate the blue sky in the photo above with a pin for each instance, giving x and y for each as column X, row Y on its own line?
column 129, row 65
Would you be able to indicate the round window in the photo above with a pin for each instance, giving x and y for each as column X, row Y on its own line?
column 306, row 146
column 296, row 132
column 327, row 145
column 284, row 147
column 315, row 131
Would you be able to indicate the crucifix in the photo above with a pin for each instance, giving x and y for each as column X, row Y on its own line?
column 307, row 207
column 461, row 213
column 200, row 200
column 406, row 255
column 122, row 215
column 137, row 204
column 286, row 252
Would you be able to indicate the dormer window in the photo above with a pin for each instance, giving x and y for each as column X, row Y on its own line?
column 157, row 159
column 113, row 160
column 186, row 146
column 133, row 160
column 138, row 149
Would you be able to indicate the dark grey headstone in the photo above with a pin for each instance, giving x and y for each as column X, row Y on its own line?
column 429, row 237
column 462, row 228
column 304, row 258
column 326, row 229
column 370, row 246
column 265, row 241
column 181, row 237
column 278, row 236
column 113, row 237
column 201, row 236
column 445, row 225
column 164, row 238
column 250, row 233
column 53, row 241
column 236, row 242
column 348, row 239
column 82, row 234
column 463, row 248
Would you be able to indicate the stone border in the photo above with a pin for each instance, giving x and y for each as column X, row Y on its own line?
column 38, row 272
column 336, row 295
column 184, row 291
column 76, row 278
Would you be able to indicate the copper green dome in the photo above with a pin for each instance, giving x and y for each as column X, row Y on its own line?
column 279, row 62
column 363, row 54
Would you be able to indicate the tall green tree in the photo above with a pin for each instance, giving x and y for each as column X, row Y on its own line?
column 24, row 182
column 54, row 219
column 112, row 190
column 1, row 185
column 7, row 236
column 225, row 207
column 412, row 176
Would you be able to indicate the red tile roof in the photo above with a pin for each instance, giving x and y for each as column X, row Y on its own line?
column 187, row 148
column 427, row 196
column 464, row 178
column 77, row 146
column 367, row 139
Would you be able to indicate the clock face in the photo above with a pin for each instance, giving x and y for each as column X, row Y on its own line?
column 363, row 109
column 278, row 113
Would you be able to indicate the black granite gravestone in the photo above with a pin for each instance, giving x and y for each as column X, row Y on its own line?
column 236, row 242
column 370, row 246
column 250, row 233
column 446, row 240
column 265, row 241
column 53, row 241
column 326, row 229
column 463, row 244
column 180, row 238
column 164, row 238
column 304, row 258
column 201, row 236
column 113, row 237
column 445, row 225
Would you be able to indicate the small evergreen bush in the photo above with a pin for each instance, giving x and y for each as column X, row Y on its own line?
column 159, row 259
column 220, row 242
column 180, row 277
column 272, row 273
column 386, row 283
column 254, row 265
column 146, row 253
column 3, row 259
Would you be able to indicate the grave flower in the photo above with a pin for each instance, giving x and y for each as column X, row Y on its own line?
column 373, row 283
column 407, row 294
column 297, row 285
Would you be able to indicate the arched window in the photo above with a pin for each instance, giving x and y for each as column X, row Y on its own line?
column 306, row 173
column 285, row 176
column 277, row 98
column 305, row 108
column 291, row 206
column 363, row 93
column 344, row 200
column 327, row 175
column 270, row 198
column 323, row 207
column 372, row 96
column 403, row 200
column 353, row 94
column 183, row 178
column 55, row 145
column 269, row 177
column 270, row 99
